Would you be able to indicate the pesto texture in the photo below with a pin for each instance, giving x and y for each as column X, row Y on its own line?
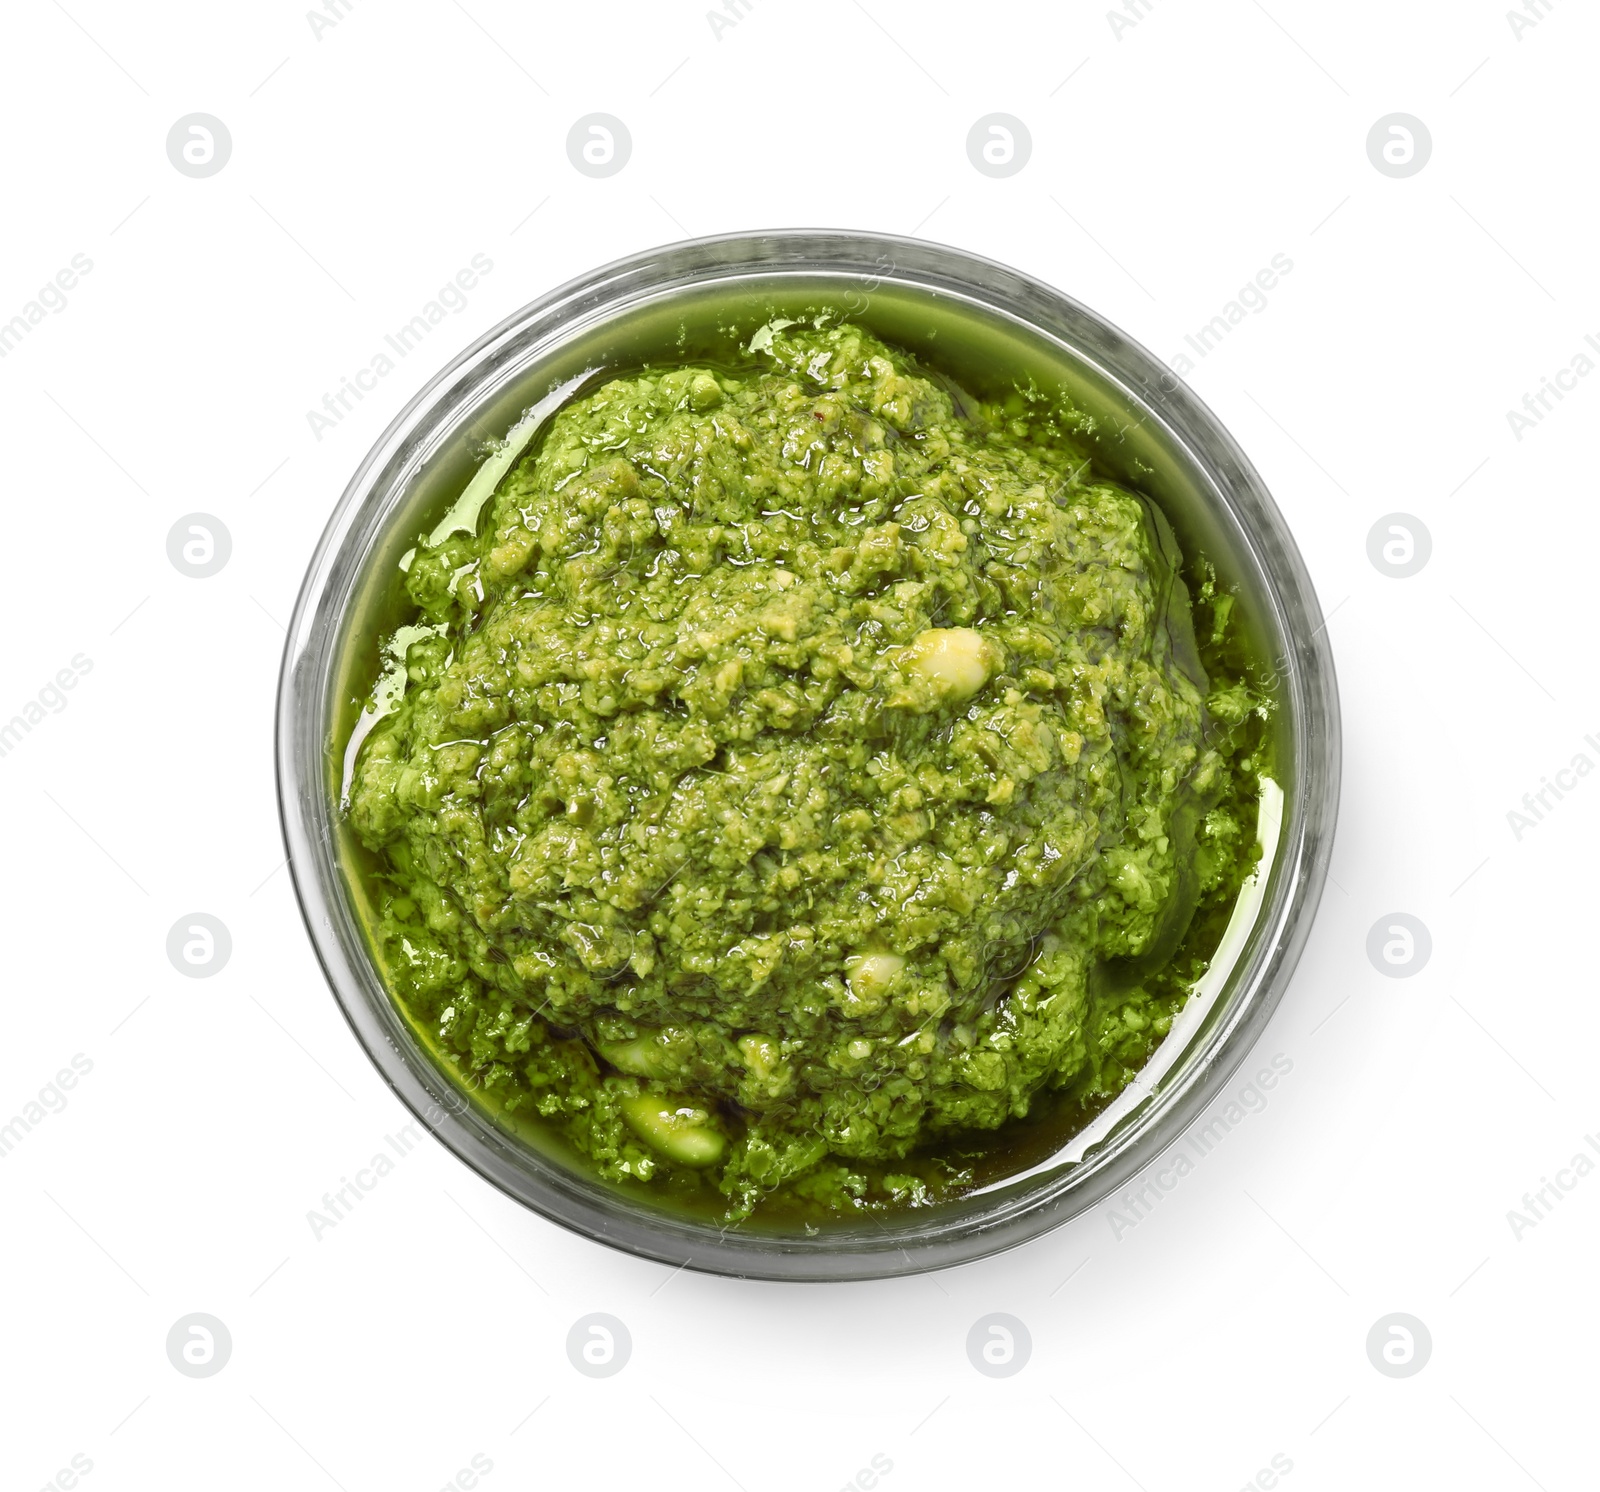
column 803, row 775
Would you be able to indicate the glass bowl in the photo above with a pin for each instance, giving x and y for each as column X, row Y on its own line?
column 933, row 300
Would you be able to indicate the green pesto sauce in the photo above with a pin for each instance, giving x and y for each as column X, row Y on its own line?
column 809, row 788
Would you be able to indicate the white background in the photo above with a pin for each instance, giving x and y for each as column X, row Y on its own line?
column 370, row 162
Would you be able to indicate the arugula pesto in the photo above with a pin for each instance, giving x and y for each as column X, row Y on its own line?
column 804, row 778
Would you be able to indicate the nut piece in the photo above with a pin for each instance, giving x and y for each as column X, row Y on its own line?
column 870, row 975
column 641, row 1057
column 761, row 1054
column 679, row 1131
column 957, row 660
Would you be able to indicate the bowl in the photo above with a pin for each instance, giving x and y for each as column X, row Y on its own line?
column 938, row 302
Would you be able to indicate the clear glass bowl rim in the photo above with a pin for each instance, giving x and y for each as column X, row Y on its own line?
column 917, row 1239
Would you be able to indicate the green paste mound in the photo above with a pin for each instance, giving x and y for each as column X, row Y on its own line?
column 804, row 771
